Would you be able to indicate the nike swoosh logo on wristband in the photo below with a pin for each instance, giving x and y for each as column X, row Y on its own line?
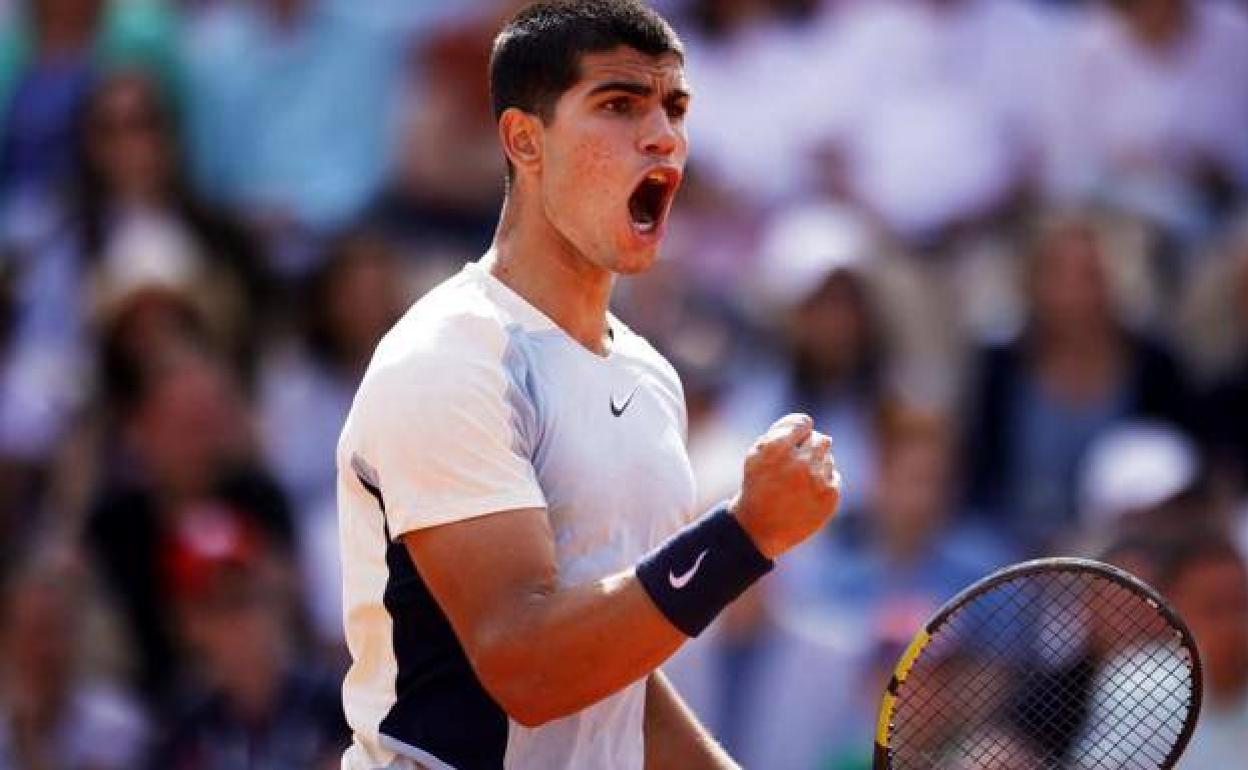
column 680, row 581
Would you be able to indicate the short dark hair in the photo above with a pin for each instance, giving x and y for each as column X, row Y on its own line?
column 537, row 55
column 1169, row 550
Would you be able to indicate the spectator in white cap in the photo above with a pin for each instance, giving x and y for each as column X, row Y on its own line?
column 150, row 293
column 1135, row 468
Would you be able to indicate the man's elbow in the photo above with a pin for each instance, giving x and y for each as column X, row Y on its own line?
column 514, row 686
column 531, row 715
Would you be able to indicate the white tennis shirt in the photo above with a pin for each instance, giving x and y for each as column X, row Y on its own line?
column 476, row 403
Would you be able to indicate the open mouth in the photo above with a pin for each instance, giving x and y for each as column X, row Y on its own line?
column 648, row 204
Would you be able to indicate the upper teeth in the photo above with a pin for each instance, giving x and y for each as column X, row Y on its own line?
column 656, row 177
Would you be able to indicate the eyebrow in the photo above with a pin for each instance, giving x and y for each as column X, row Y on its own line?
column 637, row 89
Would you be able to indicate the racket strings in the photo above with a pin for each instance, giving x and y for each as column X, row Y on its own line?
column 1046, row 671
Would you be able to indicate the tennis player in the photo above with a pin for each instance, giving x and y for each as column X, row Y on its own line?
column 519, row 547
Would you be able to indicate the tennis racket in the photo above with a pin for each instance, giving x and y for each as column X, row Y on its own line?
column 1053, row 664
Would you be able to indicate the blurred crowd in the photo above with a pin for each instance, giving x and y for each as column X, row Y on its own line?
column 998, row 249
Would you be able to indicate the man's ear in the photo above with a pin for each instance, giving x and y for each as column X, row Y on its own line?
column 521, row 136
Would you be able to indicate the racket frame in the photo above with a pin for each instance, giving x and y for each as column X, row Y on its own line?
column 883, row 758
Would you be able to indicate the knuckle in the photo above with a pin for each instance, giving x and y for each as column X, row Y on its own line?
column 770, row 450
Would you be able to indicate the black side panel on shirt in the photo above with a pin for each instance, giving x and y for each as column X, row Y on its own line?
column 440, row 706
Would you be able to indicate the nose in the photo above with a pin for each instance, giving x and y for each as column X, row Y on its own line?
column 660, row 136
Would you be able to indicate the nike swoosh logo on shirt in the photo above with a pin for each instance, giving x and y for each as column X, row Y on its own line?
column 680, row 581
column 618, row 409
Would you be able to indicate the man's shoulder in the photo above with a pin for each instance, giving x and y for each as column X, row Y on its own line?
column 457, row 320
column 454, row 336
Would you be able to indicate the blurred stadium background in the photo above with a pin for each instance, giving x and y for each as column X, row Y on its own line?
column 997, row 247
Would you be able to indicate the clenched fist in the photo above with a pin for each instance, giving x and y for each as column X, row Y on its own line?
column 791, row 486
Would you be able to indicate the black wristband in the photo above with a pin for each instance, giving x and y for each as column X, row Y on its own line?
column 698, row 571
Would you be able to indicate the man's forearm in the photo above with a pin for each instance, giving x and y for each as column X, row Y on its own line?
column 569, row 648
column 563, row 650
column 545, row 650
column 674, row 738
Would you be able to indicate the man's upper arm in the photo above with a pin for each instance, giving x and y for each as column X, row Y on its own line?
column 447, row 434
column 481, row 570
column 448, row 437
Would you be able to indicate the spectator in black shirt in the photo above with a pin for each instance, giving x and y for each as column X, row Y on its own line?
column 250, row 702
column 184, row 441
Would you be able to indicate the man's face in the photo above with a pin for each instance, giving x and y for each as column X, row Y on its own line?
column 613, row 156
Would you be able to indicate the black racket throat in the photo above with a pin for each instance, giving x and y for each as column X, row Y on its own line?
column 1052, row 664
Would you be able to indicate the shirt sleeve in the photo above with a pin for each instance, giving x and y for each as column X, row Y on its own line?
column 449, row 435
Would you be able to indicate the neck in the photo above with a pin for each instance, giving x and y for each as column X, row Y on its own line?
column 537, row 262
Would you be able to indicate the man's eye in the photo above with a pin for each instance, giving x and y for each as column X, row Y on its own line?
column 677, row 111
column 621, row 106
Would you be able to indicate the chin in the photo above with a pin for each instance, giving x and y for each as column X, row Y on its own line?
column 634, row 262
